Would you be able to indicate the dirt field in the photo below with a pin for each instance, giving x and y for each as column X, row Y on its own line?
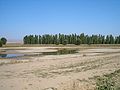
column 57, row 72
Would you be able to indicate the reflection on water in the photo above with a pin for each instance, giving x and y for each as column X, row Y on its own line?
column 3, row 55
column 58, row 52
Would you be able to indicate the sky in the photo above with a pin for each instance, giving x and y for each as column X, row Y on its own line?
column 24, row 17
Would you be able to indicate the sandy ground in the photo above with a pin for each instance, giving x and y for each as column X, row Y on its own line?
column 58, row 72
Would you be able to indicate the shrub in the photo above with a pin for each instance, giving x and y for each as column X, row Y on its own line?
column 3, row 40
column 105, row 83
column 0, row 43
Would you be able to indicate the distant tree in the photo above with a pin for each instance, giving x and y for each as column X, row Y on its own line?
column 88, row 40
column 82, row 38
column 57, row 42
column 0, row 43
column 78, row 42
column 107, row 41
column 111, row 39
column 25, row 39
column 56, row 39
column 3, row 40
column 117, row 40
column 103, row 39
column 40, row 39
column 99, row 41
column 71, row 39
column 65, row 42
column 36, row 39
column 32, row 39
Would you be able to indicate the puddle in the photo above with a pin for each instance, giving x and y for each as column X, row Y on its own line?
column 58, row 52
column 10, row 55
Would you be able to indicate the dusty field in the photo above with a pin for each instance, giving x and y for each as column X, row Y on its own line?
column 58, row 72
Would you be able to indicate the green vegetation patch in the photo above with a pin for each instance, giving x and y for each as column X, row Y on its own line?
column 109, row 82
column 3, row 41
column 71, row 39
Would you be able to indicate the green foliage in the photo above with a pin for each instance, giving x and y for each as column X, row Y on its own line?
column 3, row 40
column 109, row 82
column 57, row 42
column 65, row 42
column 71, row 39
column 107, row 39
column 117, row 40
column 78, row 42
column 105, row 83
column 0, row 43
column 111, row 39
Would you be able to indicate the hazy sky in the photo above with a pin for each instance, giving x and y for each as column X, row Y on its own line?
column 21, row 17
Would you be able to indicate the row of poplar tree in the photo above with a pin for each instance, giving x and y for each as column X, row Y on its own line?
column 71, row 39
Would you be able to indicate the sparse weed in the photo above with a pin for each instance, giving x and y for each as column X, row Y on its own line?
column 105, row 83
column 12, row 62
column 109, row 82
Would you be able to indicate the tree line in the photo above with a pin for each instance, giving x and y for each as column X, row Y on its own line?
column 3, row 41
column 71, row 39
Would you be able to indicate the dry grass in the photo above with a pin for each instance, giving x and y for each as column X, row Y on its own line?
column 78, row 85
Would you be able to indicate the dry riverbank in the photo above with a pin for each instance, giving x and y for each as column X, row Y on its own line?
column 60, row 72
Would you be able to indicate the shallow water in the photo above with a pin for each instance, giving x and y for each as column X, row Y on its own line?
column 58, row 52
column 10, row 55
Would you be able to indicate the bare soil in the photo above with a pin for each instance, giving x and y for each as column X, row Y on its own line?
column 58, row 72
